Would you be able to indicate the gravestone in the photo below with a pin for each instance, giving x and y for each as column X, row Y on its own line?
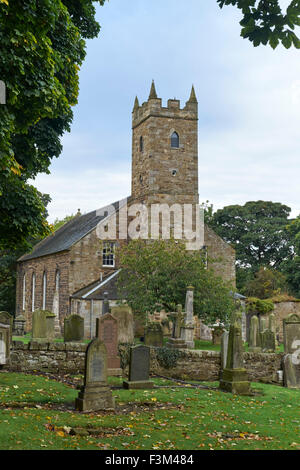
column 139, row 367
column 73, row 328
column 262, row 324
column 234, row 377
column 291, row 370
column 43, row 328
column 124, row 315
column 268, row 341
column 255, row 339
column 154, row 335
column 19, row 325
column 95, row 394
column 176, row 342
column 291, row 333
column 55, row 310
column 187, row 329
column 7, row 319
column 217, row 333
column 224, row 349
column 5, row 338
column 107, row 331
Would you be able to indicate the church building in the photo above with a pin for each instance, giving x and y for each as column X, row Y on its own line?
column 72, row 270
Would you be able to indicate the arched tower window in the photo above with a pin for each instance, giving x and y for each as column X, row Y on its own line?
column 24, row 293
column 33, row 292
column 175, row 140
column 141, row 144
column 44, row 291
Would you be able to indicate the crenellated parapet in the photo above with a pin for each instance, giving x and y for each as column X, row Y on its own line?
column 153, row 108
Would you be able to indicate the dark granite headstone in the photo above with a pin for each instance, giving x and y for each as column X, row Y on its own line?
column 139, row 367
column 95, row 393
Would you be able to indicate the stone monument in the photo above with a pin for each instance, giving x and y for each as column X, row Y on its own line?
column 73, row 328
column 291, row 360
column 5, row 337
column 255, row 340
column 107, row 331
column 139, row 367
column 95, row 394
column 124, row 315
column 154, row 335
column 43, row 326
column 234, row 377
column 19, row 325
column 176, row 342
column 187, row 329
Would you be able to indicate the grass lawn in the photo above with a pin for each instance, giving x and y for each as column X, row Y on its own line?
column 38, row 413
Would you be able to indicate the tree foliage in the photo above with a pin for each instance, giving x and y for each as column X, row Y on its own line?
column 155, row 276
column 266, row 283
column 42, row 49
column 264, row 22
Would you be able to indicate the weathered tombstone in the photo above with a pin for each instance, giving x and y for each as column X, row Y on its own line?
column 5, row 336
column 291, row 333
column 262, row 324
column 95, row 394
column 268, row 341
column 291, row 370
column 7, row 319
column 224, row 349
column 55, row 310
column 291, row 360
column 154, row 335
column 43, row 326
column 19, row 325
column 217, row 333
column 139, row 367
column 73, row 328
column 187, row 329
column 124, row 315
column 107, row 331
column 177, row 318
column 255, row 340
column 272, row 323
column 234, row 377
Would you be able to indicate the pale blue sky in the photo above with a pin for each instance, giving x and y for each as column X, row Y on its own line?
column 249, row 105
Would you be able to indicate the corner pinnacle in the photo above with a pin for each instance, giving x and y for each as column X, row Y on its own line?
column 153, row 94
column 193, row 98
column 136, row 104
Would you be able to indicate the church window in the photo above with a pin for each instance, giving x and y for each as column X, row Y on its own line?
column 141, row 144
column 108, row 254
column 24, row 293
column 33, row 293
column 44, row 291
column 175, row 140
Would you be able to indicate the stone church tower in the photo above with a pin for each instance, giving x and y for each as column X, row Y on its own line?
column 165, row 151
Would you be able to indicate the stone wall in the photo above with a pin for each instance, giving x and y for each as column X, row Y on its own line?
column 55, row 358
column 68, row 358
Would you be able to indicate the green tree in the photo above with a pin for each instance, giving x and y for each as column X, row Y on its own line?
column 258, row 232
column 60, row 222
column 266, row 283
column 264, row 22
column 42, row 49
column 155, row 276
column 291, row 267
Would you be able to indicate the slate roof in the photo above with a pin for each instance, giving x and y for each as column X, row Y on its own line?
column 70, row 233
column 95, row 290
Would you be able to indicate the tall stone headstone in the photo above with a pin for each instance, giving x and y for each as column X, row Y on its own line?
column 154, row 335
column 55, row 310
column 291, row 333
column 176, row 342
column 5, row 337
column 224, row 349
column 139, row 367
column 124, row 315
column 291, row 360
column 43, row 329
column 107, row 331
column 234, row 377
column 73, row 328
column 187, row 329
column 95, row 394
column 255, row 340
column 262, row 324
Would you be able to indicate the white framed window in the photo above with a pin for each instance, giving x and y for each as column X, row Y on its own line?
column 33, row 292
column 108, row 254
column 24, row 293
column 44, row 291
